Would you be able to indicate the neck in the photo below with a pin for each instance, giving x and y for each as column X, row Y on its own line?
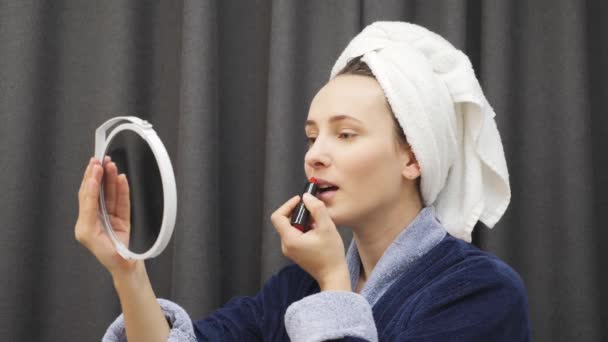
column 375, row 235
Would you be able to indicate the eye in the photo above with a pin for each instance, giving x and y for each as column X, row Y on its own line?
column 310, row 140
column 346, row 135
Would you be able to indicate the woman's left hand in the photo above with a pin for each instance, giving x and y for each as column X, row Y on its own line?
column 320, row 251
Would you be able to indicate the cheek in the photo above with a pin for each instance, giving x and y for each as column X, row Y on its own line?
column 372, row 173
column 370, row 162
column 363, row 165
column 366, row 185
column 371, row 180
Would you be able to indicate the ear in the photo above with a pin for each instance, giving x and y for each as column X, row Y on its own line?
column 411, row 169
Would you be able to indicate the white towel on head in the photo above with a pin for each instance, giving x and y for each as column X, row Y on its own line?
column 432, row 90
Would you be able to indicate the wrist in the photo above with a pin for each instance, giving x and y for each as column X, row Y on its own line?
column 131, row 277
column 336, row 281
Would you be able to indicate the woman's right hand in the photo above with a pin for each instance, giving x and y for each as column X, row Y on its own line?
column 144, row 319
column 89, row 230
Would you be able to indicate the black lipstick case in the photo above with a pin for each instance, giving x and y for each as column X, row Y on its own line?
column 301, row 215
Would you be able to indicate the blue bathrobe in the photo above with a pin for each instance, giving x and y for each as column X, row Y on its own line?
column 428, row 286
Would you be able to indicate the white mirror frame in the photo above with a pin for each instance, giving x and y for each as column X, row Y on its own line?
column 103, row 136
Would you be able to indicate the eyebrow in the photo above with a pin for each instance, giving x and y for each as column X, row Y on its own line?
column 334, row 118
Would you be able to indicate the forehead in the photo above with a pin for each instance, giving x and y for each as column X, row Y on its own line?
column 357, row 96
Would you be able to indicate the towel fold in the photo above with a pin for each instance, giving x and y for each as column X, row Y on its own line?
column 438, row 102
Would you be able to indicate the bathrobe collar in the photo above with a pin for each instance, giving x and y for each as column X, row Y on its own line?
column 423, row 233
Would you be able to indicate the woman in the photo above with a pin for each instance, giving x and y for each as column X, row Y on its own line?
column 406, row 146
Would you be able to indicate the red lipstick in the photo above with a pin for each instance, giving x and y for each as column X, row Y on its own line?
column 301, row 215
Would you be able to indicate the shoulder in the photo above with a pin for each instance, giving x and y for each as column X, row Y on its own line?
column 466, row 292
column 466, row 265
column 472, row 286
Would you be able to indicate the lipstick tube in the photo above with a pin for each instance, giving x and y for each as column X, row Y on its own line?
column 301, row 215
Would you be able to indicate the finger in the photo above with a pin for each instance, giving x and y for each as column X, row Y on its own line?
column 288, row 233
column 109, row 187
column 287, row 207
column 318, row 211
column 281, row 222
column 123, row 201
column 87, row 174
column 283, row 213
column 88, row 202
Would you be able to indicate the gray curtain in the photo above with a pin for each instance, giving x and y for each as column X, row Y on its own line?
column 227, row 86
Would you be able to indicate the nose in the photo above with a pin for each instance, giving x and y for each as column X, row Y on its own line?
column 317, row 155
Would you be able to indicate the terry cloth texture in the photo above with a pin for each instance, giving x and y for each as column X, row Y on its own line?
column 181, row 325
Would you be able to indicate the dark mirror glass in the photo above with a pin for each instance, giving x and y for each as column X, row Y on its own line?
column 140, row 212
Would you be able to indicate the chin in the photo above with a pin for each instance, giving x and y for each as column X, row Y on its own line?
column 339, row 219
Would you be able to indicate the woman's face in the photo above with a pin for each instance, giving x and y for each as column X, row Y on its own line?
column 352, row 145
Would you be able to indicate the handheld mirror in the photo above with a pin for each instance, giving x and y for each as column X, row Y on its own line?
column 147, row 211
